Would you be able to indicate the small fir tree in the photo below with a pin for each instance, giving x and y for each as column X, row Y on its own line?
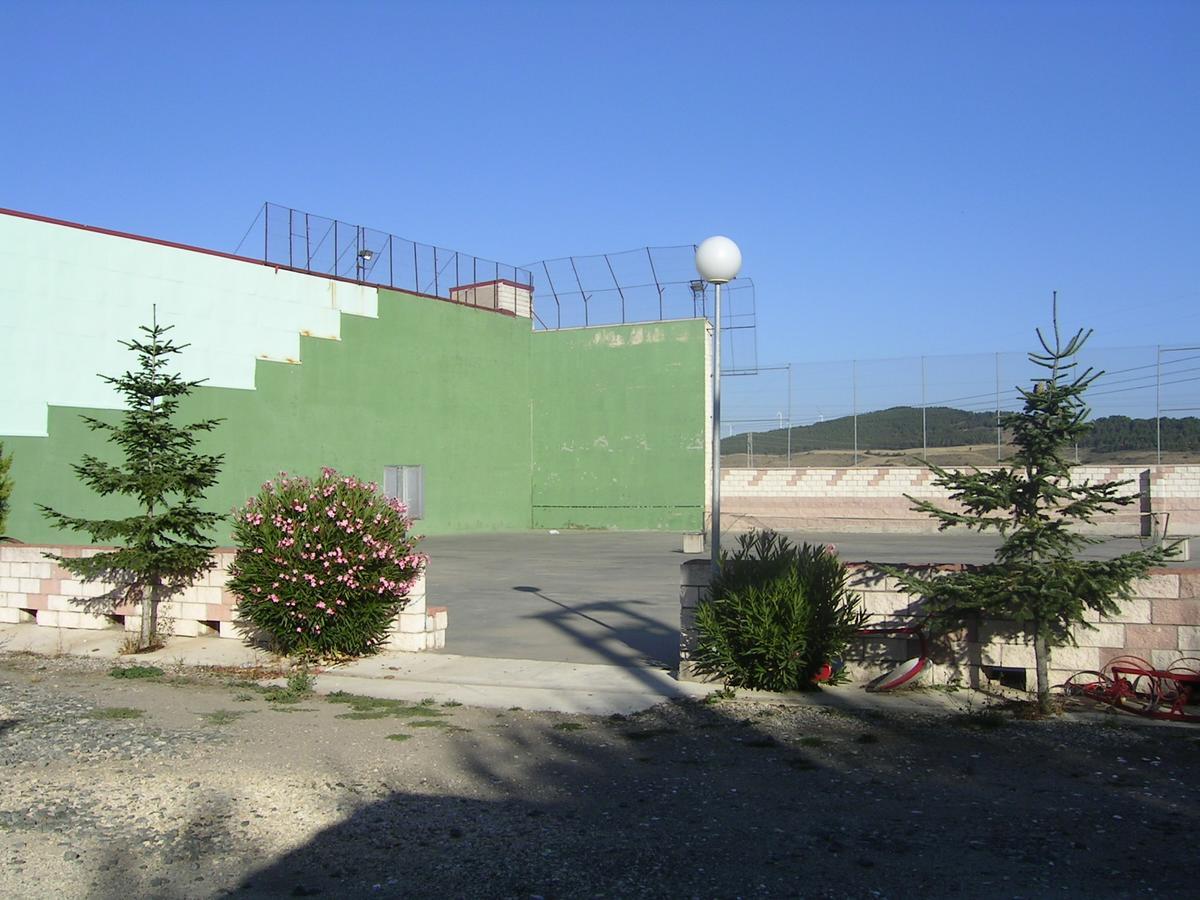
column 1036, row 581
column 6, row 487
column 165, row 546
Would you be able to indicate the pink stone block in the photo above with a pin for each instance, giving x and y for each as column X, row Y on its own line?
column 1175, row 612
column 1136, row 611
column 1156, row 586
column 219, row 612
column 1189, row 584
column 1152, row 637
column 1105, row 655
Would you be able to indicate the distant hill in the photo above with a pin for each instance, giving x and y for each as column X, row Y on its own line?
column 899, row 428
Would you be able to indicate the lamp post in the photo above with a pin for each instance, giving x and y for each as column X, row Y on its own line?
column 364, row 257
column 718, row 261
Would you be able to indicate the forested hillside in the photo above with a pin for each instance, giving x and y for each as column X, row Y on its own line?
column 899, row 428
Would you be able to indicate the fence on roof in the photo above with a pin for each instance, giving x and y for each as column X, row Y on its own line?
column 649, row 284
column 645, row 285
column 310, row 243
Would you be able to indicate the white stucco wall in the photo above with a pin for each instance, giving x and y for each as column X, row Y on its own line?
column 68, row 295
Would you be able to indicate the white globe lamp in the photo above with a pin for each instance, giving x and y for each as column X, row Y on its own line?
column 718, row 260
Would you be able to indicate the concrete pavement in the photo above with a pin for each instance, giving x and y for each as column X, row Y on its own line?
column 612, row 598
column 475, row 681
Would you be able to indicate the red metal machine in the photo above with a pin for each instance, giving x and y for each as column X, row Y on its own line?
column 1134, row 685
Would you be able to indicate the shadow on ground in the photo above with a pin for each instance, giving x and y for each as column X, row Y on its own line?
column 739, row 800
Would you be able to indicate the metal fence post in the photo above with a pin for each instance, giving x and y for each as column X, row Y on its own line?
column 1158, row 401
column 789, row 419
column 997, row 407
column 854, row 403
column 924, row 431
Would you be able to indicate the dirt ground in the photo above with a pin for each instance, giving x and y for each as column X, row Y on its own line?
column 202, row 784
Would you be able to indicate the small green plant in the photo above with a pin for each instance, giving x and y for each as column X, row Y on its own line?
column 135, row 672
column 323, row 565
column 720, row 696
column 300, row 683
column 362, row 707
column 646, row 734
column 221, row 717
column 451, row 703
column 812, row 741
column 398, row 737
column 775, row 615
column 116, row 712
column 568, row 726
column 986, row 717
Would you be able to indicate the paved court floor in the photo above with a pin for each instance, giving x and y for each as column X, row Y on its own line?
column 611, row 597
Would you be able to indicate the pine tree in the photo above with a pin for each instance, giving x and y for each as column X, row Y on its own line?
column 1036, row 580
column 165, row 546
column 6, row 486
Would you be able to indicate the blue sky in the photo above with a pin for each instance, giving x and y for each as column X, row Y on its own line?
column 904, row 178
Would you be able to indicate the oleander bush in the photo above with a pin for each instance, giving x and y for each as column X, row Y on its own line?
column 323, row 565
column 776, row 614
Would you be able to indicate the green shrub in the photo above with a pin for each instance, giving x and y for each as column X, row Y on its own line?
column 323, row 565
column 135, row 672
column 776, row 614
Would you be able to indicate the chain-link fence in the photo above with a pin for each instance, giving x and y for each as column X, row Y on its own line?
column 649, row 284
column 321, row 245
column 948, row 409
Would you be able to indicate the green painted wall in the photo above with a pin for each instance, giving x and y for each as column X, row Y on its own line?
column 427, row 382
column 618, row 427
column 598, row 428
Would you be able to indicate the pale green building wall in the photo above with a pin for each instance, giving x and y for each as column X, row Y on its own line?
column 599, row 427
column 618, row 427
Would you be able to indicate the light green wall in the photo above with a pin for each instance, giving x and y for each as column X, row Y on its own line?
column 426, row 383
column 597, row 427
column 618, row 427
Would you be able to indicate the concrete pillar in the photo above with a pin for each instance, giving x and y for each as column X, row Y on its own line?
column 694, row 576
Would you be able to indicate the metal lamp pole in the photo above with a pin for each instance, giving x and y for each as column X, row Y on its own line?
column 718, row 261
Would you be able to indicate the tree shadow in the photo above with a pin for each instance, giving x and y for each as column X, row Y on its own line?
column 654, row 643
column 691, row 799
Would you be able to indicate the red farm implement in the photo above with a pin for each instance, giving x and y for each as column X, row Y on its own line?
column 1132, row 684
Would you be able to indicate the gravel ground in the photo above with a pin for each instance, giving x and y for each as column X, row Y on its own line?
column 198, row 784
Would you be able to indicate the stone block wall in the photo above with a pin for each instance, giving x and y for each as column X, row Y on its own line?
column 37, row 590
column 873, row 499
column 1160, row 624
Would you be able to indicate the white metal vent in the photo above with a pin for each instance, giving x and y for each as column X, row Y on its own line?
column 406, row 483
